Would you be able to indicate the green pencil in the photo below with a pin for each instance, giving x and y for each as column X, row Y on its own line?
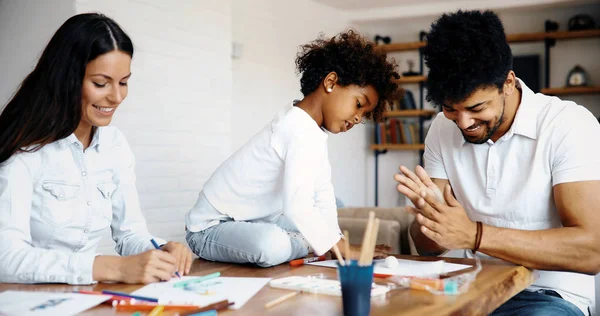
column 197, row 280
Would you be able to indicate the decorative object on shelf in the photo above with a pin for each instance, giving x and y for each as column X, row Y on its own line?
column 581, row 22
column 384, row 39
column 551, row 26
column 410, row 71
column 577, row 77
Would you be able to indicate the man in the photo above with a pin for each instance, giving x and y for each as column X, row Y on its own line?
column 524, row 165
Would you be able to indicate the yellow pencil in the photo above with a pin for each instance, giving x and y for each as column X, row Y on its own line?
column 280, row 299
column 156, row 311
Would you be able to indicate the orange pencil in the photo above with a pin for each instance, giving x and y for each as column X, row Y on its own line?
column 298, row 262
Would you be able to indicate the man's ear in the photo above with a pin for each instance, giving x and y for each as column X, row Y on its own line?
column 330, row 81
column 510, row 83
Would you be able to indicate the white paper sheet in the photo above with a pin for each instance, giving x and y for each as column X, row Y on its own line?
column 406, row 267
column 47, row 303
column 237, row 290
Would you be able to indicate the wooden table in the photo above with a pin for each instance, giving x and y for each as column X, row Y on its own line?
column 495, row 284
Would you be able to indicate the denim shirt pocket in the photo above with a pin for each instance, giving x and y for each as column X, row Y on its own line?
column 60, row 201
column 106, row 188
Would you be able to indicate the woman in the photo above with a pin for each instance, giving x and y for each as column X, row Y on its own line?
column 65, row 176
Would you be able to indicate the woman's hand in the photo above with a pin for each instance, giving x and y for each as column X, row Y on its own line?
column 147, row 267
column 182, row 254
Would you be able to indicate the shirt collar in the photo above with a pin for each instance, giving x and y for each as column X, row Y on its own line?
column 525, row 122
column 525, row 118
column 72, row 139
column 323, row 133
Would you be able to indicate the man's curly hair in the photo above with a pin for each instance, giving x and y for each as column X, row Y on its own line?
column 465, row 51
column 355, row 61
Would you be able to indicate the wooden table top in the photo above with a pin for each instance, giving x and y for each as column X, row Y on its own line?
column 495, row 284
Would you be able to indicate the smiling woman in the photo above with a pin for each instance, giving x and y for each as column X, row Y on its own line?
column 66, row 177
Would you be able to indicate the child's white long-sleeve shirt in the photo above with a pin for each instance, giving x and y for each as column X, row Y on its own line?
column 284, row 169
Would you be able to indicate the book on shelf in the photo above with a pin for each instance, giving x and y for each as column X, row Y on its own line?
column 397, row 131
column 408, row 101
column 394, row 139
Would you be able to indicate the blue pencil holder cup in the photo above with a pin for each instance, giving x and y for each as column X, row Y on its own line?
column 356, row 282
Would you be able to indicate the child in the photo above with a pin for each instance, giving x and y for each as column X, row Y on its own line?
column 272, row 201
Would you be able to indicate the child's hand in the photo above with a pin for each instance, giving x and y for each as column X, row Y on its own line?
column 381, row 251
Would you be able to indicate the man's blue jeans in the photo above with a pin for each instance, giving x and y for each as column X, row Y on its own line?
column 539, row 303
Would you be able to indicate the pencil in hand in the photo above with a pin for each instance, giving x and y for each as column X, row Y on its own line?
column 158, row 247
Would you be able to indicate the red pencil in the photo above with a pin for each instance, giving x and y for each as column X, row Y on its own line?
column 109, row 301
column 150, row 306
column 298, row 262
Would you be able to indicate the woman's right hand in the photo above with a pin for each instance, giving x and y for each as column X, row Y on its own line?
column 147, row 267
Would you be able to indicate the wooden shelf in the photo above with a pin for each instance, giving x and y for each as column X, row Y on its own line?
column 398, row 147
column 401, row 47
column 411, row 79
column 409, row 113
column 571, row 90
column 561, row 35
column 511, row 38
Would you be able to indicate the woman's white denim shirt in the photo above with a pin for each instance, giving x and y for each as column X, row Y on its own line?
column 56, row 202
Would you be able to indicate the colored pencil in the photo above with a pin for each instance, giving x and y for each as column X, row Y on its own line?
column 299, row 262
column 141, row 298
column 280, row 299
column 218, row 306
column 158, row 247
column 347, row 246
column 182, row 284
column 156, row 311
column 338, row 254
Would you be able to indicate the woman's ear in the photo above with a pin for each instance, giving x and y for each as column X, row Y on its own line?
column 330, row 81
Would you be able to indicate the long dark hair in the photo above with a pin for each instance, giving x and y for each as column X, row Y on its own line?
column 47, row 105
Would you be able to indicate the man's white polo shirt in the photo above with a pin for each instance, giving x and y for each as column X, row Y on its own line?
column 509, row 183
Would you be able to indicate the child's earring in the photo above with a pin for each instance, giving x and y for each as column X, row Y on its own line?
column 329, row 89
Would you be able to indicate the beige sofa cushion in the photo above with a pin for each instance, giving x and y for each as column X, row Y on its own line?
column 393, row 233
column 389, row 231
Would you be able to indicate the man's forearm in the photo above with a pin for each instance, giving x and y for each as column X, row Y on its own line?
column 562, row 249
column 424, row 245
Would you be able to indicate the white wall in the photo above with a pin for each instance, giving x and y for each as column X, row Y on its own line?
column 177, row 116
column 25, row 28
column 265, row 80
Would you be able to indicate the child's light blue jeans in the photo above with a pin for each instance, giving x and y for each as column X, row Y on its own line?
column 261, row 243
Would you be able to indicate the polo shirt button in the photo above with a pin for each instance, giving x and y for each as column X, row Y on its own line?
column 80, row 279
column 89, row 203
column 83, row 174
column 86, row 231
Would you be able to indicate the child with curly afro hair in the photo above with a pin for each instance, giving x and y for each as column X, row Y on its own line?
column 272, row 201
